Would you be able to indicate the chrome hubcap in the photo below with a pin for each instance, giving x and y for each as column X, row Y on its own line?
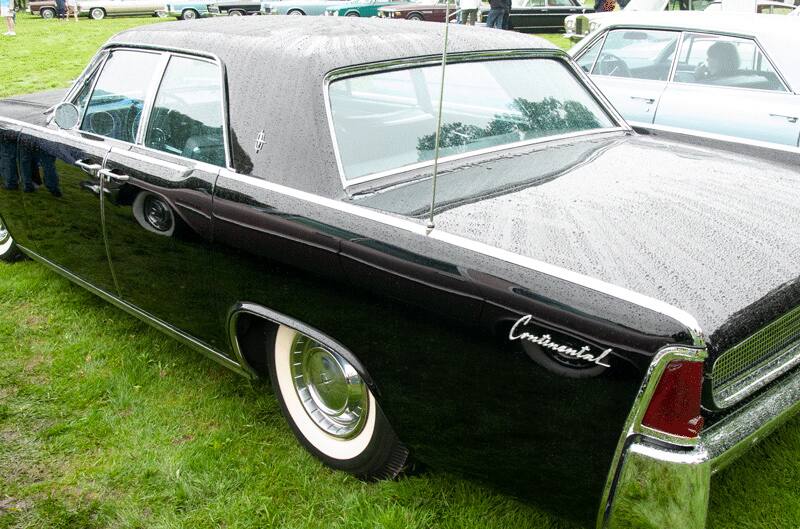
column 4, row 235
column 332, row 392
column 157, row 213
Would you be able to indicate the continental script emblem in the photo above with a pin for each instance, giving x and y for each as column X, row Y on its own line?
column 545, row 341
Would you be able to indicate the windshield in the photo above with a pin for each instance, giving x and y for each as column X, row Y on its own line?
column 387, row 121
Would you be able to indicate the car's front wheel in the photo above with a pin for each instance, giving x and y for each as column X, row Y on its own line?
column 8, row 250
column 296, row 13
column 352, row 14
column 331, row 409
column 235, row 13
column 97, row 13
column 189, row 14
column 47, row 13
column 415, row 16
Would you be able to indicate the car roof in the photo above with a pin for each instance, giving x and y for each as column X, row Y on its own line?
column 779, row 34
column 327, row 42
column 276, row 67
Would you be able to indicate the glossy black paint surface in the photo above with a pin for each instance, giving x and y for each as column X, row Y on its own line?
column 428, row 320
column 542, row 18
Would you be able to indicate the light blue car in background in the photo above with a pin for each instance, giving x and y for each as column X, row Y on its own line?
column 186, row 10
column 294, row 7
column 718, row 74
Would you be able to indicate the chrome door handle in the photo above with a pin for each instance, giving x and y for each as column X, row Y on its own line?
column 648, row 100
column 87, row 167
column 790, row 119
column 107, row 173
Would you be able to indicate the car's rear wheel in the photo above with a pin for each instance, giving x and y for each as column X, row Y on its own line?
column 331, row 409
column 352, row 14
column 189, row 14
column 295, row 12
column 235, row 13
column 97, row 13
column 47, row 13
column 8, row 250
column 415, row 16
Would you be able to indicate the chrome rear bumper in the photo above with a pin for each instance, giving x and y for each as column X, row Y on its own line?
column 657, row 486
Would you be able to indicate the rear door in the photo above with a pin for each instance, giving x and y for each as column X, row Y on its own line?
column 158, row 200
column 727, row 85
column 632, row 68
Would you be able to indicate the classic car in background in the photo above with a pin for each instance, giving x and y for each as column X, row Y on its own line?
column 577, row 27
column 99, row 9
column 764, row 7
column 43, row 8
column 235, row 8
column 688, row 71
column 420, row 10
column 186, row 10
column 514, row 326
column 360, row 8
column 302, row 7
column 529, row 16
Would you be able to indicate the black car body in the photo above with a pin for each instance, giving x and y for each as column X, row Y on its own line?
column 235, row 8
column 531, row 16
column 551, row 331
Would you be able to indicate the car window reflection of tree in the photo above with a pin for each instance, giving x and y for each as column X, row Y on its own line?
column 8, row 164
column 533, row 119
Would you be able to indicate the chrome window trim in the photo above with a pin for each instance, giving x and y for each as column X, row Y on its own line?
column 94, row 86
column 152, row 92
column 190, row 54
column 455, row 58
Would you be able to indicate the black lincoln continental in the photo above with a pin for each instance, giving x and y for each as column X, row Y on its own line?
column 500, row 278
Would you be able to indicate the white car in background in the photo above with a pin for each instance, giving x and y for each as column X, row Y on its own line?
column 734, row 75
column 578, row 26
column 99, row 9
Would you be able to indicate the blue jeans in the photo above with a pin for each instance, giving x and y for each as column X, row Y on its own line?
column 495, row 18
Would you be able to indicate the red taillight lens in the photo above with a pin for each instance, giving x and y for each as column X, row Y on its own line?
column 675, row 406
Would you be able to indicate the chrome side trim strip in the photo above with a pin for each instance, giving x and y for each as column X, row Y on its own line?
column 679, row 315
column 145, row 317
column 718, row 137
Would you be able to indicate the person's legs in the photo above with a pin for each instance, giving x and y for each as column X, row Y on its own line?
column 471, row 16
column 506, row 16
column 10, row 25
column 495, row 19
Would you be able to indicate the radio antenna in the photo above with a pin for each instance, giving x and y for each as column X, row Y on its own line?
column 439, row 116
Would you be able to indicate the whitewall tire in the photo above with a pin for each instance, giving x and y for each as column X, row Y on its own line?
column 331, row 410
column 8, row 250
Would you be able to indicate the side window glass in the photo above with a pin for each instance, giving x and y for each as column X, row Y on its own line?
column 187, row 115
column 725, row 61
column 586, row 61
column 560, row 3
column 81, row 97
column 115, row 108
column 637, row 54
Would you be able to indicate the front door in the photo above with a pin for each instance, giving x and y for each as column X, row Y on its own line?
column 159, row 197
column 632, row 69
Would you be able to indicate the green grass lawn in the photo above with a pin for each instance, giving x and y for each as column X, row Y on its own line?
column 105, row 423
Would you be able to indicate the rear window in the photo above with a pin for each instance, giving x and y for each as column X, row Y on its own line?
column 386, row 121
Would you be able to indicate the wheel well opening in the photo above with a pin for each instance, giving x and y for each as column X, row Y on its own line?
column 256, row 338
